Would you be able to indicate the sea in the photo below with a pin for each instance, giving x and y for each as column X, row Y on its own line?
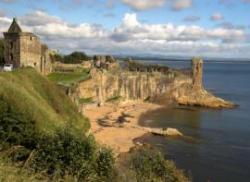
column 220, row 148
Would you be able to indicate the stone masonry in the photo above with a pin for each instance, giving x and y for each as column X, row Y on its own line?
column 24, row 49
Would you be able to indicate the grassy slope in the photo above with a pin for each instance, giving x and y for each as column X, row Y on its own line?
column 68, row 79
column 31, row 94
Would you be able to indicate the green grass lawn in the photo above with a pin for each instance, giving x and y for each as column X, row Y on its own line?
column 68, row 78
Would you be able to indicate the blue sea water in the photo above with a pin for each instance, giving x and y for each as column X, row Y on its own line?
column 221, row 150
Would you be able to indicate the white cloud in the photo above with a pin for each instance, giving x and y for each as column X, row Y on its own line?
column 132, row 29
column 144, row 4
column 39, row 18
column 130, row 20
column 134, row 37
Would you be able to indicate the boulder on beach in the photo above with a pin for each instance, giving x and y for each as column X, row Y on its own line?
column 166, row 132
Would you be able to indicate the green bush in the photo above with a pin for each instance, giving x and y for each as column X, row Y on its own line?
column 73, row 58
column 59, row 155
column 56, row 58
column 146, row 164
column 105, row 164
column 65, row 154
column 76, row 57
column 16, row 128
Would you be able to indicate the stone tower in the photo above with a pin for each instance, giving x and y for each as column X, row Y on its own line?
column 12, row 44
column 197, row 70
column 24, row 49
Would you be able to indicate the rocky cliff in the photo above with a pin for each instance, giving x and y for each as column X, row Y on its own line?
column 163, row 87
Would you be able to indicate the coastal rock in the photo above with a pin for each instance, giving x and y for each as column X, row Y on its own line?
column 195, row 95
column 166, row 132
column 162, row 87
column 192, row 93
column 190, row 96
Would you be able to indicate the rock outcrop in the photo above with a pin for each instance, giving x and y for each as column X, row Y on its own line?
column 165, row 132
column 164, row 87
column 195, row 94
column 126, row 85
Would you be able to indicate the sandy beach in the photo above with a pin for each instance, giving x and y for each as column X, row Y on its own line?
column 117, row 125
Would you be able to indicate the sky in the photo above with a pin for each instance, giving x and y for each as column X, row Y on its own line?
column 207, row 28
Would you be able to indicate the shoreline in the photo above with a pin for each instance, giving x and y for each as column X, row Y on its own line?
column 117, row 125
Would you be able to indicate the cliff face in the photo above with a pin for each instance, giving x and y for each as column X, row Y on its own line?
column 161, row 87
column 106, row 85
column 194, row 94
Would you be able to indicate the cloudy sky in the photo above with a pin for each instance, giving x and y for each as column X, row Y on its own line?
column 211, row 28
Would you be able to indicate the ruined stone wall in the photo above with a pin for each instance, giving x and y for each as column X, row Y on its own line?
column 46, row 64
column 30, row 54
column 12, row 49
column 106, row 85
column 197, row 70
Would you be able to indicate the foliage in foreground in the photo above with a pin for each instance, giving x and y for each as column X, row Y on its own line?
column 57, row 156
column 146, row 164
column 12, row 173
column 64, row 156
column 39, row 133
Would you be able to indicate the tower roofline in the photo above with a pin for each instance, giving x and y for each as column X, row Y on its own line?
column 14, row 27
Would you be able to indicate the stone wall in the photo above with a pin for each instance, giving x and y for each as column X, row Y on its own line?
column 23, row 49
column 30, row 51
column 128, row 85
column 197, row 70
column 12, row 49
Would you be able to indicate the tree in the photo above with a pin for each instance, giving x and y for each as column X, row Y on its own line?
column 76, row 57
column 56, row 58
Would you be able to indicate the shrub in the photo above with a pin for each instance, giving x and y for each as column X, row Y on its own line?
column 76, row 57
column 105, row 164
column 57, row 155
column 65, row 154
column 146, row 164
column 56, row 58
column 16, row 128
column 73, row 58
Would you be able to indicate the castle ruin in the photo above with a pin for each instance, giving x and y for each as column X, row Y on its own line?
column 24, row 49
column 197, row 70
